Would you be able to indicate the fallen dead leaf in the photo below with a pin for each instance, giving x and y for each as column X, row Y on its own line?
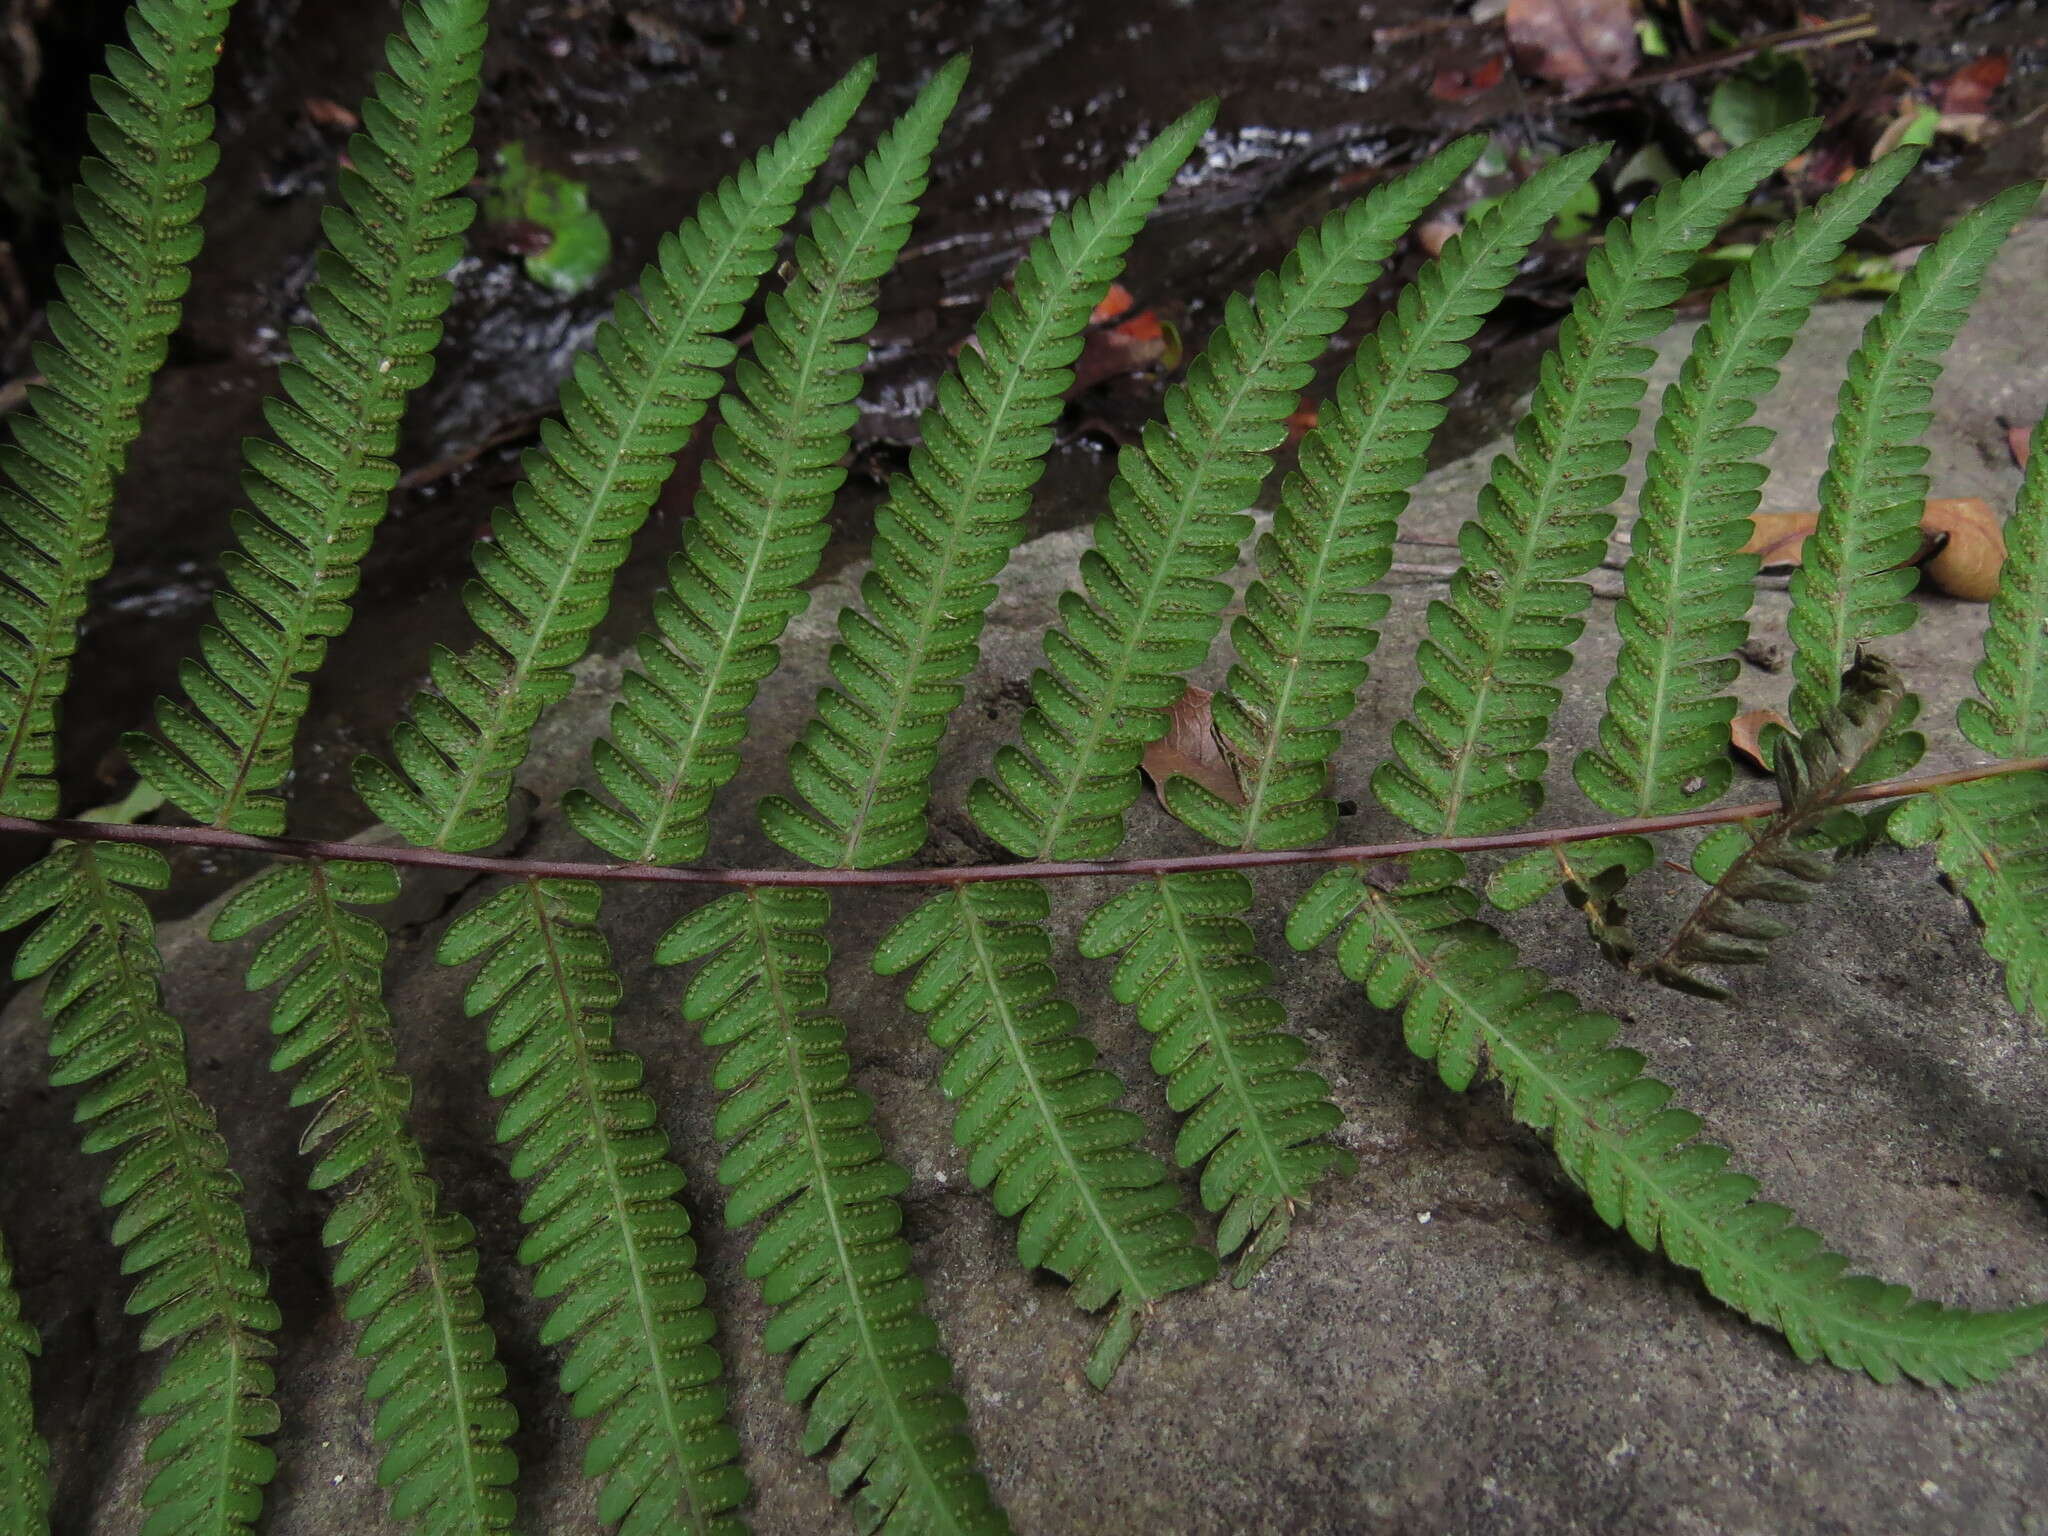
column 1970, row 89
column 1131, row 346
column 330, row 114
column 1191, row 749
column 1780, row 537
column 1303, row 421
column 2020, row 440
column 1967, row 565
column 1961, row 544
column 1456, row 85
column 1578, row 44
column 1746, row 733
column 1115, row 304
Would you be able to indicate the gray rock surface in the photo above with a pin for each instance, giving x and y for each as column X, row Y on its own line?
column 1452, row 1341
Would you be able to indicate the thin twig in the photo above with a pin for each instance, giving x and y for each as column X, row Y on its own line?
column 1826, row 34
column 971, row 874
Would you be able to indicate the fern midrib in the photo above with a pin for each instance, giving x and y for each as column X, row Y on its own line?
column 1251, row 1120
column 49, row 651
column 1561, row 1095
column 1134, row 1289
column 813, row 338
column 354, row 441
column 401, row 1190
column 137, row 983
column 586, row 1090
column 1855, row 500
column 681, row 335
column 885, row 1396
column 1249, row 377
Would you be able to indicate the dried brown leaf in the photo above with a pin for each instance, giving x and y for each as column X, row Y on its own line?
column 1192, row 749
column 1967, row 565
column 1780, row 537
column 1578, row 44
column 1969, row 90
column 2020, row 440
column 1746, row 731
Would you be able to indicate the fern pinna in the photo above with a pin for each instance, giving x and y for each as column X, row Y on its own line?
column 1040, row 1122
column 136, row 233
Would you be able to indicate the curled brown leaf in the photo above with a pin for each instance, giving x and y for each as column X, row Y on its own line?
column 1192, row 749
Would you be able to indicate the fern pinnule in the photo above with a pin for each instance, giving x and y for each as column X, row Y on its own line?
column 803, row 1159
column 1151, row 599
column 408, row 1265
column 1309, row 625
column 544, row 578
column 1993, row 834
column 1777, row 861
column 1255, row 1121
column 608, row 1239
column 180, row 1226
column 758, row 527
column 1469, row 759
column 320, row 489
column 135, row 235
column 24, row 1457
column 864, row 762
column 1687, row 585
column 1854, row 574
column 1467, row 1003
column 1037, row 1115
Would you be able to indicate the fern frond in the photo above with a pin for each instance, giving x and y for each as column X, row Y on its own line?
column 134, row 239
column 1151, row 600
column 24, row 1458
column 1253, row 1120
column 1037, row 1117
column 607, row 1236
column 407, row 1264
column 1991, row 839
column 831, row 1260
column 2009, row 719
column 759, row 519
column 865, row 759
column 180, row 1227
column 1309, row 626
column 1685, row 609
column 1993, row 834
column 1469, row 760
column 1591, row 875
column 321, row 488
column 544, row 578
column 1853, row 581
column 1778, row 862
column 1467, row 1003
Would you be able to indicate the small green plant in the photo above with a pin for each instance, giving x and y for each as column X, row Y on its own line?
column 607, row 1234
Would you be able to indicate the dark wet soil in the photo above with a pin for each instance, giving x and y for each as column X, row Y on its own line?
column 649, row 101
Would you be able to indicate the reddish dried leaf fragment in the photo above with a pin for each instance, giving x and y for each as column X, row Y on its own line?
column 1578, row 44
column 2020, row 440
column 1192, row 749
column 1970, row 89
column 1463, row 84
column 1746, row 731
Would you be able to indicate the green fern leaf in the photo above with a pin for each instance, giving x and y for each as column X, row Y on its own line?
column 865, row 760
column 1993, row 834
column 1151, row 602
column 1466, row 1002
column 1309, row 625
column 759, row 520
column 1782, row 862
column 24, row 1458
column 804, row 1159
column 1854, row 577
column 179, row 1223
column 320, row 490
column 408, row 1265
column 1470, row 759
column 135, row 236
column 1254, row 1121
column 545, row 577
column 1037, row 1117
column 1664, row 737
column 607, row 1237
